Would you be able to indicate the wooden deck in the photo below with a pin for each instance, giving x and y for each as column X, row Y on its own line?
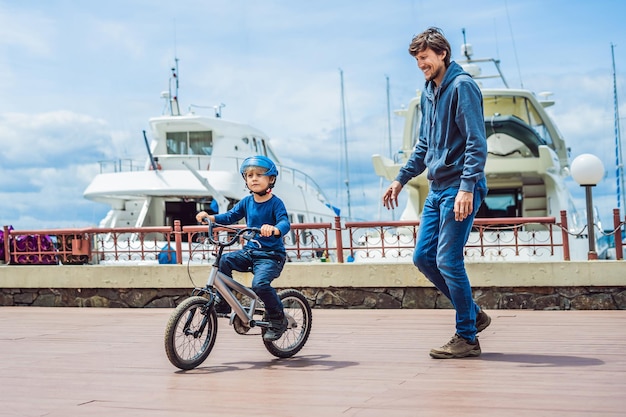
column 60, row 362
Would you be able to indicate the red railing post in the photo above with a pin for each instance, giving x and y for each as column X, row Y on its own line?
column 565, row 235
column 617, row 236
column 178, row 238
column 7, row 247
column 338, row 239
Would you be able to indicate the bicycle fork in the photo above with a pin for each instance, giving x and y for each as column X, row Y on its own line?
column 198, row 332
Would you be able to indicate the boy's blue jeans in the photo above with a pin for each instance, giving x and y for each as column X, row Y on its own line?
column 266, row 266
column 439, row 253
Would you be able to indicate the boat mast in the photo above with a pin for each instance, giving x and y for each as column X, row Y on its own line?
column 393, row 214
column 174, row 107
column 388, row 119
column 619, row 161
column 345, row 143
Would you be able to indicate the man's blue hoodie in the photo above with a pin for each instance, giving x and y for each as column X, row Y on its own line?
column 451, row 143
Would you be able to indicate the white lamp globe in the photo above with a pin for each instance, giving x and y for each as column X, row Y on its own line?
column 587, row 169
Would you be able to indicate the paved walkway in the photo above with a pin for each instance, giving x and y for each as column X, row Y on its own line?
column 60, row 362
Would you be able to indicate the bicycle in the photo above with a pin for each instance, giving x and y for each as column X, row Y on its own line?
column 191, row 330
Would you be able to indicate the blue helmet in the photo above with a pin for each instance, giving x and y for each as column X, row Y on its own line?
column 259, row 161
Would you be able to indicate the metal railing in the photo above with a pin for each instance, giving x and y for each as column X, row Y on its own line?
column 491, row 239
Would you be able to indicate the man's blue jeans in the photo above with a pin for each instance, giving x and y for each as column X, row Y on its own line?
column 439, row 253
column 266, row 266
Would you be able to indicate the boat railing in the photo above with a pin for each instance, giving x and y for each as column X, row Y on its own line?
column 120, row 165
column 504, row 239
column 297, row 177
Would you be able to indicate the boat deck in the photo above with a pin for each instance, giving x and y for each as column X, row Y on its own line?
column 104, row 362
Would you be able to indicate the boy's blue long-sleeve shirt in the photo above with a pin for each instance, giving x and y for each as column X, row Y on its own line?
column 452, row 142
column 271, row 212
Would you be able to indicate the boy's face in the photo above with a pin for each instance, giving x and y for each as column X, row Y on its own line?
column 256, row 180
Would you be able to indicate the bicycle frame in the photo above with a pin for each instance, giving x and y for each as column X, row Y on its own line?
column 225, row 285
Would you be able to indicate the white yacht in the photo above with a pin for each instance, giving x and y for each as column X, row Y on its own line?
column 526, row 167
column 193, row 164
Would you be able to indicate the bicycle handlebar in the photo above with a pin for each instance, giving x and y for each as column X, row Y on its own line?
column 246, row 233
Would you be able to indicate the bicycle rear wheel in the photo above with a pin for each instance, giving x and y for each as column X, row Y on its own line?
column 300, row 318
column 190, row 333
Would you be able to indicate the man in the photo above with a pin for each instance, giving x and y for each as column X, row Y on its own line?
column 452, row 145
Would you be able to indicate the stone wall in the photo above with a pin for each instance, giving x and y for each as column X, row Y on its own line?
column 533, row 298
column 591, row 285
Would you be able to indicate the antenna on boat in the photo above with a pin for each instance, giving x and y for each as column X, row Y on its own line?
column 473, row 69
column 218, row 110
column 619, row 160
column 467, row 50
column 173, row 99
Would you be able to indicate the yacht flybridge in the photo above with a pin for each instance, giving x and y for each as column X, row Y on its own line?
column 193, row 164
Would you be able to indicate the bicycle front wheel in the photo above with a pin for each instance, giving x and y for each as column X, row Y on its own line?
column 190, row 333
column 299, row 314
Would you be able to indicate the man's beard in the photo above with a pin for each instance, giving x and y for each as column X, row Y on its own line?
column 434, row 75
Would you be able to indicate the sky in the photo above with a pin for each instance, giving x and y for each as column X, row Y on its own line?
column 79, row 81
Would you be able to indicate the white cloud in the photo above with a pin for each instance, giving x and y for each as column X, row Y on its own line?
column 52, row 139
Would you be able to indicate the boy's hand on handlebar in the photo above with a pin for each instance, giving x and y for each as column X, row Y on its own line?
column 202, row 216
column 269, row 230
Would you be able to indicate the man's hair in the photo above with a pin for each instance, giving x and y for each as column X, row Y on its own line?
column 431, row 38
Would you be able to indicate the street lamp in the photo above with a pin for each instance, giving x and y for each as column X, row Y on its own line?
column 587, row 171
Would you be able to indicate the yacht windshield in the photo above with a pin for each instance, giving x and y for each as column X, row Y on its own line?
column 520, row 107
column 190, row 143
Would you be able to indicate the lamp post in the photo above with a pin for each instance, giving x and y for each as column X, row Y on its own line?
column 587, row 171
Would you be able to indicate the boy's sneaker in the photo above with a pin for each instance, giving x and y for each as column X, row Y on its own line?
column 482, row 321
column 457, row 347
column 222, row 307
column 277, row 327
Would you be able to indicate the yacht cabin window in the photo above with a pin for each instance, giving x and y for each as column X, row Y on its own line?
column 501, row 203
column 259, row 147
column 189, row 143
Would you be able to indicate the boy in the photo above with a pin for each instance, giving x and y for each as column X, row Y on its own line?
column 264, row 210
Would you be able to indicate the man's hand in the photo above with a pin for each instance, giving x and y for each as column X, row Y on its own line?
column 463, row 205
column 390, row 198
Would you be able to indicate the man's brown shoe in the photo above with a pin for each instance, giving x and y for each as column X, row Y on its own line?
column 482, row 321
column 457, row 347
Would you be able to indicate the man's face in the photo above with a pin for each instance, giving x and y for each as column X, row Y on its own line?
column 431, row 64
